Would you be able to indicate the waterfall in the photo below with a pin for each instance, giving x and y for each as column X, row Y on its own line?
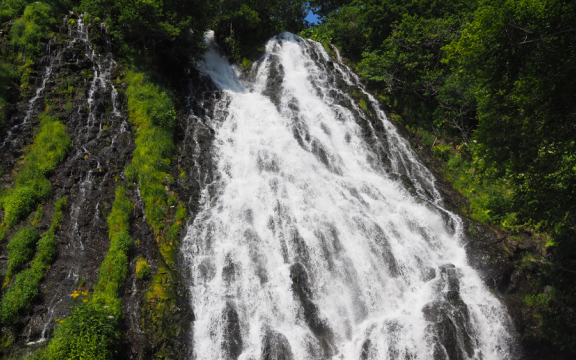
column 91, row 167
column 322, row 235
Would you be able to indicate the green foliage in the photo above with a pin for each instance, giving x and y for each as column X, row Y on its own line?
column 163, row 31
column 150, row 163
column 425, row 137
column 26, row 287
column 324, row 7
column 20, row 250
column 318, row 33
column 242, row 26
column 7, row 77
column 93, row 329
column 181, row 214
column 27, row 32
column 114, row 269
column 518, row 58
column 154, row 144
column 50, row 147
column 11, row 9
column 408, row 64
column 173, row 232
column 348, row 30
column 525, row 109
column 37, row 216
column 142, row 268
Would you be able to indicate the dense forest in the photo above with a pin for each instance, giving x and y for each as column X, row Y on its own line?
column 487, row 86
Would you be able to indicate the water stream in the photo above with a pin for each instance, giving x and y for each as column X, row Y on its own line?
column 94, row 152
column 309, row 244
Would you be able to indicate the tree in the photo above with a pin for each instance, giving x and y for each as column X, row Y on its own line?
column 241, row 26
column 323, row 8
column 158, row 28
column 519, row 60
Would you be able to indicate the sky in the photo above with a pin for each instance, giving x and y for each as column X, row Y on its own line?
column 312, row 19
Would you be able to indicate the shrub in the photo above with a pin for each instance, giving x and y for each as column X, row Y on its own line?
column 19, row 297
column 90, row 332
column 21, row 202
column 26, row 287
column 20, row 250
column 142, row 268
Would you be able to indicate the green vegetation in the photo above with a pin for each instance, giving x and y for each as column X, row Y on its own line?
column 27, row 32
column 50, row 147
column 26, row 287
column 93, row 329
column 152, row 112
column 241, row 27
column 157, row 30
column 488, row 85
column 12, row 9
column 20, row 250
column 142, row 269
column 37, row 216
column 7, row 76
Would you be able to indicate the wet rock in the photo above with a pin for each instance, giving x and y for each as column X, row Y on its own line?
column 302, row 291
column 366, row 349
column 232, row 337
column 275, row 346
column 450, row 318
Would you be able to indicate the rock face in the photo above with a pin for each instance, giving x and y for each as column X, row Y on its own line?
column 79, row 80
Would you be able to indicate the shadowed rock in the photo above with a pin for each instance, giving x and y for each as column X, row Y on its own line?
column 275, row 346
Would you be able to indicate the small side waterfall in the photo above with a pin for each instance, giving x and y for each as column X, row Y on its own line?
column 98, row 132
column 322, row 236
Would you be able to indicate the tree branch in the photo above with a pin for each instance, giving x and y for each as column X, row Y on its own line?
column 544, row 37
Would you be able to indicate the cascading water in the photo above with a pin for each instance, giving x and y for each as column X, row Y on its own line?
column 308, row 244
column 98, row 133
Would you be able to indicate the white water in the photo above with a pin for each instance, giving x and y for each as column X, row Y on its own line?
column 375, row 256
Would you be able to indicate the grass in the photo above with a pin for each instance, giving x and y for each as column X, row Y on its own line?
column 152, row 112
column 26, row 287
column 93, row 329
column 50, row 147
column 21, row 248
column 38, row 215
